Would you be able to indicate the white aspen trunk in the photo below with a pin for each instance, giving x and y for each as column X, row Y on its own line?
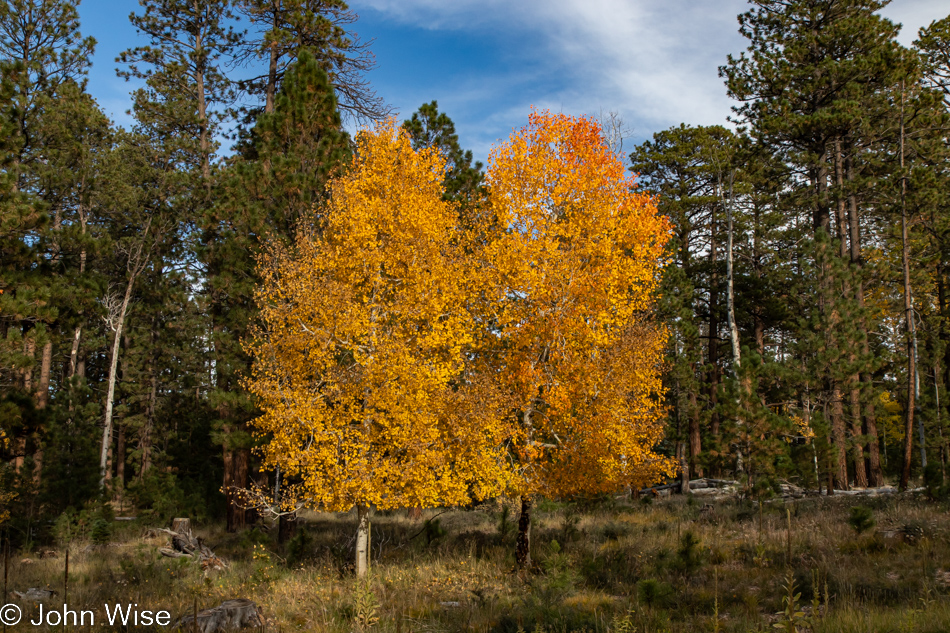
column 74, row 351
column 110, row 391
column 731, row 315
column 77, row 333
column 730, row 294
column 362, row 540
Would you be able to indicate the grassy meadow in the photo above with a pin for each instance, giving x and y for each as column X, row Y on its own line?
column 607, row 566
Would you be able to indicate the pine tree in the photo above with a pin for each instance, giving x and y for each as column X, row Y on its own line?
column 678, row 166
column 182, row 65
column 933, row 44
column 283, row 28
column 44, row 57
column 277, row 183
column 815, row 68
column 430, row 128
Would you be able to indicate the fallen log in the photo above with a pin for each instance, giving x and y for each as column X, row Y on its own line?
column 170, row 553
column 35, row 594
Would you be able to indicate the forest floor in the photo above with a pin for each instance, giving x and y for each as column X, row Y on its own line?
column 615, row 566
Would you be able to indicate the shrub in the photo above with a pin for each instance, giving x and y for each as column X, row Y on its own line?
column 298, row 549
column 937, row 488
column 654, row 593
column 689, row 555
column 101, row 531
column 861, row 519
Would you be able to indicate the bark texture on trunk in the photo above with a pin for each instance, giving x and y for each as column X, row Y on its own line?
column 362, row 540
column 46, row 363
column 712, row 378
column 854, row 393
column 839, row 437
column 29, row 350
column 695, row 441
column 684, row 473
column 119, row 323
column 908, row 324
column 74, row 352
column 145, row 432
column 228, row 458
column 523, row 547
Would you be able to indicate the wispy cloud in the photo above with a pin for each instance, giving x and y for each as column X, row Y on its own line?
column 654, row 61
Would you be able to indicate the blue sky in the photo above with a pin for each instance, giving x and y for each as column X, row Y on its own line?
column 488, row 61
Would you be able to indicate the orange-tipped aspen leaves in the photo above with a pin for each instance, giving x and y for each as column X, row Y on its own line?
column 574, row 268
column 405, row 361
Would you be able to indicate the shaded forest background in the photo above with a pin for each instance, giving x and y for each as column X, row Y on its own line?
column 805, row 288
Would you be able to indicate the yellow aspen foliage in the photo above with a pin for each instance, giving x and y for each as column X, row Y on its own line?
column 571, row 276
column 359, row 362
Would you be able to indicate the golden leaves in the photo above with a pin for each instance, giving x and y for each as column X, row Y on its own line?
column 574, row 273
column 400, row 362
column 364, row 330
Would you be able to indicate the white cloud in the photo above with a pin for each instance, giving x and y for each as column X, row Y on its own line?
column 914, row 14
column 654, row 61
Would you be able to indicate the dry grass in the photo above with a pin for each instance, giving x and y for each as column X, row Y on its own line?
column 613, row 567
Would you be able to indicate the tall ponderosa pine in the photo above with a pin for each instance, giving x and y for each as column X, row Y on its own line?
column 183, row 63
column 283, row 28
column 678, row 166
column 42, row 51
column 430, row 128
column 277, row 183
column 815, row 71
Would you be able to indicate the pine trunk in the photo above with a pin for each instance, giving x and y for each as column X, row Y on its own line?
column 46, row 363
column 854, row 393
column 145, row 434
column 695, row 440
column 203, row 132
column 29, row 351
column 228, row 459
column 874, row 472
column 908, row 323
column 523, row 547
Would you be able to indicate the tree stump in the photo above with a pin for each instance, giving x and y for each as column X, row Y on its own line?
column 239, row 613
column 182, row 526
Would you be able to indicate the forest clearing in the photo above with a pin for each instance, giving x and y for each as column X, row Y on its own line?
column 603, row 566
column 275, row 356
